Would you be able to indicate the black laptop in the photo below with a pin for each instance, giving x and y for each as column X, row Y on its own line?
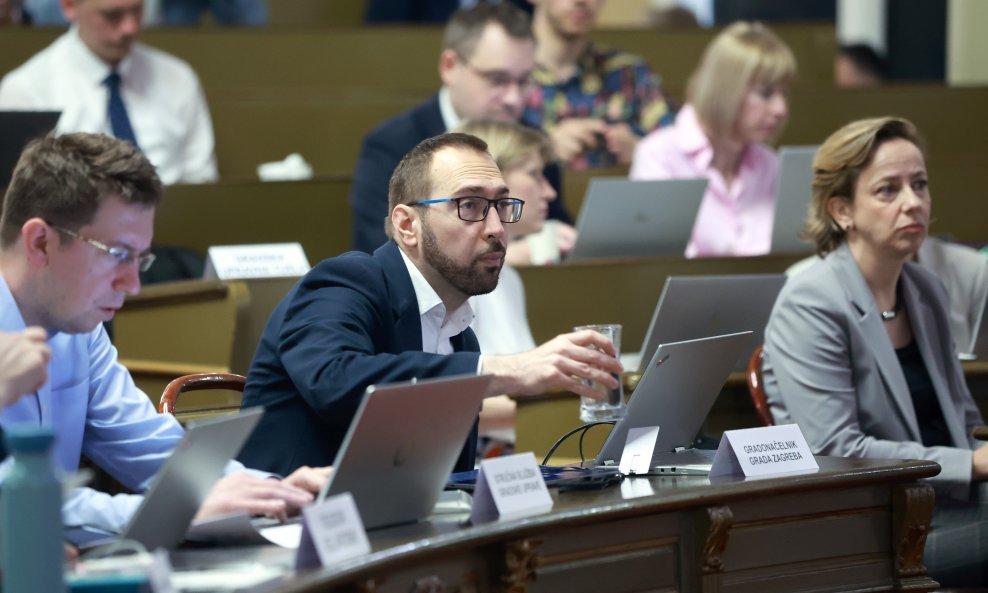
column 17, row 128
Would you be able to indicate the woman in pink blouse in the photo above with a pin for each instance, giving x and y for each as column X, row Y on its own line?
column 736, row 103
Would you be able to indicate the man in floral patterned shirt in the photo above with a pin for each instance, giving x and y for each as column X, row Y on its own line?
column 595, row 103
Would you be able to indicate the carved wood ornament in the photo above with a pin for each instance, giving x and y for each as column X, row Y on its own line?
column 521, row 560
column 720, row 520
column 913, row 504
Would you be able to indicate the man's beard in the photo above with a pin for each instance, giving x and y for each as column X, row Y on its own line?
column 472, row 279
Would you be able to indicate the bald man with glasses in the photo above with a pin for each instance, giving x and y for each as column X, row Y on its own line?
column 402, row 313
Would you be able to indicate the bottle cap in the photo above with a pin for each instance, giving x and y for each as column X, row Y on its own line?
column 28, row 439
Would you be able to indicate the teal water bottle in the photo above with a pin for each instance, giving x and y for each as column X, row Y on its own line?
column 31, row 515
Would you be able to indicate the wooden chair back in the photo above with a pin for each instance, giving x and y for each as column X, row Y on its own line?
column 229, row 382
column 756, row 388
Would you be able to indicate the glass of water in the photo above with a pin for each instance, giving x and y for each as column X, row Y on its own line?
column 611, row 406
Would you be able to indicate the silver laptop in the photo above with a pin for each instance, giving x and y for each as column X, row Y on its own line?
column 697, row 306
column 19, row 128
column 181, row 486
column 978, row 348
column 402, row 445
column 675, row 393
column 792, row 198
column 624, row 218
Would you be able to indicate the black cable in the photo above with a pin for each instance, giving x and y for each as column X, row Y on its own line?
column 584, row 428
column 587, row 427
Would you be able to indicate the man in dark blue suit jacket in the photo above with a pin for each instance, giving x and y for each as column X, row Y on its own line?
column 403, row 313
column 486, row 64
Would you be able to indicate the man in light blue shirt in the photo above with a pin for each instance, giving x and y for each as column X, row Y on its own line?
column 75, row 230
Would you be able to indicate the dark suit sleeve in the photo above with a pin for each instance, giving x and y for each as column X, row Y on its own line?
column 340, row 335
column 369, row 192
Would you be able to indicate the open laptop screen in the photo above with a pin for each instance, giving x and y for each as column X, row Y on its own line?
column 676, row 391
column 792, row 198
column 402, row 444
column 693, row 307
column 624, row 218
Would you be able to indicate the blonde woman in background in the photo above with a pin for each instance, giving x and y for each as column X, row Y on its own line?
column 522, row 153
column 737, row 102
column 500, row 320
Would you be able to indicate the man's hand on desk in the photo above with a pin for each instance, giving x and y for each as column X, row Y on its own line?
column 310, row 479
column 558, row 365
column 242, row 492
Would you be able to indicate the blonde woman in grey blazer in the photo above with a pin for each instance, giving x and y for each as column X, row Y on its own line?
column 858, row 349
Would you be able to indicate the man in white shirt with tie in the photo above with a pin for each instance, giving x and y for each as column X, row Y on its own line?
column 104, row 81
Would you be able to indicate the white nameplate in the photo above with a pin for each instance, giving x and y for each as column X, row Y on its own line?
column 764, row 451
column 508, row 488
column 331, row 532
column 638, row 449
column 269, row 260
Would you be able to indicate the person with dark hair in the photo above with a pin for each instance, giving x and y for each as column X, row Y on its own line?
column 858, row 66
column 75, row 230
column 486, row 67
column 403, row 313
column 858, row 348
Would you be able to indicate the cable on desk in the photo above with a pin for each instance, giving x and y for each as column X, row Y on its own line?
column 584, row 428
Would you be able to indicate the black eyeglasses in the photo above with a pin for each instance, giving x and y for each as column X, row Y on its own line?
column 499, row 79
column 475, row 208
column 123, row 255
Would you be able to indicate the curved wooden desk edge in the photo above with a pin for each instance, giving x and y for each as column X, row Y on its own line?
column 834, row 473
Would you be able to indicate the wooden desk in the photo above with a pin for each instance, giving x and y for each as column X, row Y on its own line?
column 314, row 212
column 194, row 326
column 265, row 62
column 856, row 524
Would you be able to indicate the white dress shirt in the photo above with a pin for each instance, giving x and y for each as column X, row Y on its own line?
column 450, row 119
column 165, row 103
column 500, row 320
column 432, row 311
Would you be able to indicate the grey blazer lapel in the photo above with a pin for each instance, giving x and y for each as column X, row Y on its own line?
column 874, row 333
column 922, row 317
